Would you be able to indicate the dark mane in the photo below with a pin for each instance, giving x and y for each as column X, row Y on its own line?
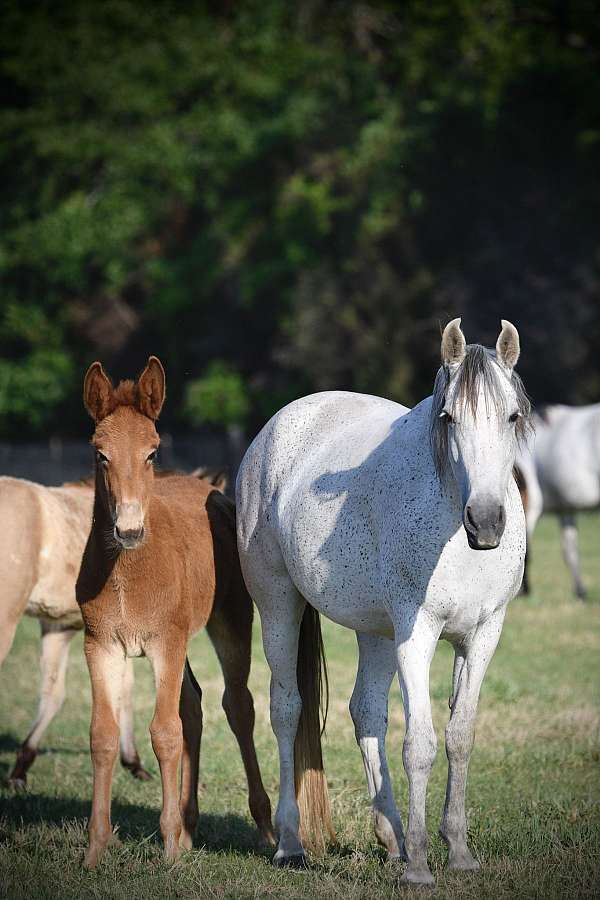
column 476, row 369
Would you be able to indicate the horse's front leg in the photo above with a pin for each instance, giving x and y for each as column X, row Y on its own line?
column 416, row 642
column 168, row 660
column 106, row 666
column 570, row 549
column 471, row 663
column 377, row 665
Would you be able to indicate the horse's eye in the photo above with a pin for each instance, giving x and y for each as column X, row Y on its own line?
column 512, row 419
column 151, row 457
column 446, row 415
column 101, row 458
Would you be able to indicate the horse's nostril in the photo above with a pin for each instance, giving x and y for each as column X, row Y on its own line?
column 469, row 517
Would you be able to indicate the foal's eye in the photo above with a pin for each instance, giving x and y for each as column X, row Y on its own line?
column 101, row 458
column 512, row 419
column 151, row 456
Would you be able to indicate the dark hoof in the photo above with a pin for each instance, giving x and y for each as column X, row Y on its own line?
column 297, row 861
column 581, row 593
column 137, row 770
column 18, row 784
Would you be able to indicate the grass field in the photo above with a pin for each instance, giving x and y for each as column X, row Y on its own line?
column 534, row 789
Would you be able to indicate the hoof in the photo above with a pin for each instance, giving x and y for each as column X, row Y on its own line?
column 465, row 863
column 19, row 785
column 267, row 837
column 418, row 876
column 296, row 861
column 136, row 769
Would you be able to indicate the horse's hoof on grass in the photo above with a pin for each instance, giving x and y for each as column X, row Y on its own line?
column 296, row 861
column 18, row 784
column 463, row 863
column 137, row 770
column 418, row 877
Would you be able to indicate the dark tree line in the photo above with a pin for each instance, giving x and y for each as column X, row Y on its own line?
column 278, row 198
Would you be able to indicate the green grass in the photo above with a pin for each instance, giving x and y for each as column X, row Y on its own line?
column 534, row 786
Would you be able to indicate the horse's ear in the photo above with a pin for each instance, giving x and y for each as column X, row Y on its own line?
column 508, row 346
column 151, row 388
column 97, row 392
column 454, row 345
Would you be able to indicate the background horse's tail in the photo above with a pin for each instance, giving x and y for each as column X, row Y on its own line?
column 316, row 827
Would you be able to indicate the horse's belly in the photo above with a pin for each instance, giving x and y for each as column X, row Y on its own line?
column 55, row 607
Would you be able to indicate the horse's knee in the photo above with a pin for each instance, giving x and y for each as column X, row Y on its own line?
column 104, row 744
column 419, row 750
column 167, row 738
column 459, row 741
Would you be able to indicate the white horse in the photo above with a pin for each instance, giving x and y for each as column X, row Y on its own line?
column 374, row 515
column 560, row 465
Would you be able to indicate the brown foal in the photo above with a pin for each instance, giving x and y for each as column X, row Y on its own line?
column 160, row 563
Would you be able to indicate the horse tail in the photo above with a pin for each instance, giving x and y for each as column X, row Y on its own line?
column 312, row 794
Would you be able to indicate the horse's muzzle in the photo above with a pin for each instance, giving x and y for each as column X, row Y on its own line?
column 484, row 522
column 129, row 539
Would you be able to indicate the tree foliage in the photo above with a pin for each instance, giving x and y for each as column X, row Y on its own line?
column 303, row 192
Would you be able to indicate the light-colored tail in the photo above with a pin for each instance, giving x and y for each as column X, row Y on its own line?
column 316, row 827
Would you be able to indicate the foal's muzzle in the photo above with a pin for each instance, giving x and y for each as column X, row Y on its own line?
column 484, row 520
column 129, row 539
column 129, row 525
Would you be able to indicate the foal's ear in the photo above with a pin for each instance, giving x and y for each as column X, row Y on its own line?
column 97, row 392
column 508, row 346
column 151, row 388
column 454, row 345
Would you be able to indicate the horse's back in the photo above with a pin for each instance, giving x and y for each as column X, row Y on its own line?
column 303, row 435
column 567, row 453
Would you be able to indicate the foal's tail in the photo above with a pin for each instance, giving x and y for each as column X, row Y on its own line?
column 316, row 826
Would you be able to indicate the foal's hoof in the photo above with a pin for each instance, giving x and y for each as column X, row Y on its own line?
column 18, row 784
column 136, row 769
column 295, row 861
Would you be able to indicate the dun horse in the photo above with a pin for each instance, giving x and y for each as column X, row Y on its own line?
column 40, row 554
column 560, row 472
column 160, row 564
column 377, row 516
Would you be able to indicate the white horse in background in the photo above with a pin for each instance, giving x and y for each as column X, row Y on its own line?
column 376, row 515
column 560, row 466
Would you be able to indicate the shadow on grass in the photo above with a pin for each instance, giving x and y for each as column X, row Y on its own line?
column 216, row 832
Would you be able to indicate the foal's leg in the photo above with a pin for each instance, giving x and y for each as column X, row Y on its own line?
column 106, row 665
column 570, row 549
column 230, row 631
column 168, row 661
column 190, row 713
column 460, row 733
column 415, row 652
column 130, row 758
column 369, row 709
column 53, row 664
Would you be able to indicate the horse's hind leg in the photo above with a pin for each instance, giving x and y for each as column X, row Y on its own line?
column 570, row 549
column 230, row 630
column 377, row 666
column 470, row 666
column 54, row 659
column 130, row 758
column 190, row 713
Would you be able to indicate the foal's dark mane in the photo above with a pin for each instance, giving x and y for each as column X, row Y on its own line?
column 476, row 369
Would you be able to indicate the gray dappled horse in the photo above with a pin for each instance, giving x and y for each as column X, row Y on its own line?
column 376, row 516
